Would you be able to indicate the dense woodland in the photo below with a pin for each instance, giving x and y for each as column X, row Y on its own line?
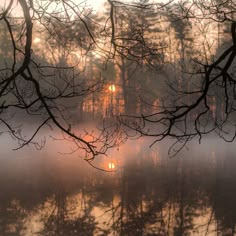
column 141, row 68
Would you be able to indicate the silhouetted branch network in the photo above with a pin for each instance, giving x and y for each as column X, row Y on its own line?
column 26, row 84
column 39, row 89
column 191, row 114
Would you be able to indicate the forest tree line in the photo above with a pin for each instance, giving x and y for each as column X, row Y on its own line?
column 168, row 64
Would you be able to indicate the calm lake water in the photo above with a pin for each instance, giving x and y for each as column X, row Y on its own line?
column 46, row 193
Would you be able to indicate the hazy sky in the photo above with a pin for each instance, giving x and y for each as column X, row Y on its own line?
column 95, row 4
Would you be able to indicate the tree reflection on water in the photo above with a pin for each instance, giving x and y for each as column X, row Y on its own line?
column 149, row 194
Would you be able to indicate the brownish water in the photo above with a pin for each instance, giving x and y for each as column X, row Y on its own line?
column 46, row 193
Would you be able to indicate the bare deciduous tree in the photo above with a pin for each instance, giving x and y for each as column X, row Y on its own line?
column 31, row 86
column 192, row 114
column 42, row 88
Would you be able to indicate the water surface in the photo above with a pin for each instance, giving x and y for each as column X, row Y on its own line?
column 47, row 193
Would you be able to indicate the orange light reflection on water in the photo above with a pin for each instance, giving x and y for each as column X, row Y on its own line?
column 111, row 165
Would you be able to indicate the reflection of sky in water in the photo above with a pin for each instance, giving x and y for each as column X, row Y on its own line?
column 46, row 193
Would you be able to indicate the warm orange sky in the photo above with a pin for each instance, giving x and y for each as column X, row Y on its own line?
column 96, row 4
